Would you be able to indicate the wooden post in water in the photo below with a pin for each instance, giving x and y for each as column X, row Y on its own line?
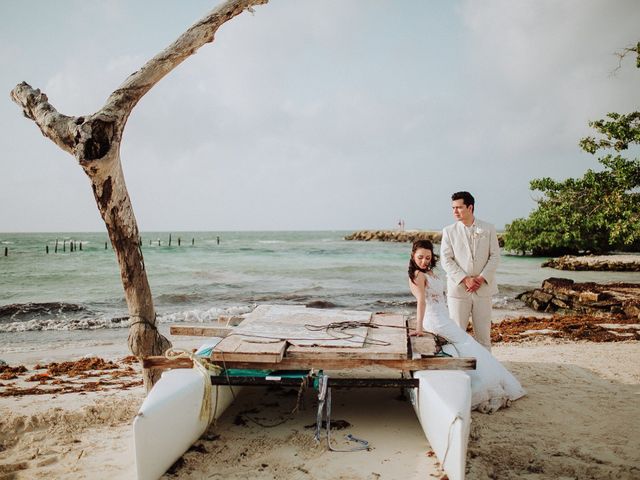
column 64, row 245
column 169, row 239
column 178, row 241
column 46, row 247
column 193, row 241
column 217, row 240
column 6, row 251
column 158, row 242
column 81, row 245
column 71, row 246
column 105, row 245
column 56, row 247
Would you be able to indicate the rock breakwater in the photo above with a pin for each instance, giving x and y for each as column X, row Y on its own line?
column 611, row 263
column 408, row 236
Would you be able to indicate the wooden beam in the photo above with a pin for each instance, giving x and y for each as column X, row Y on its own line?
column 425, row 363
column 332, row 382
column 200, row 330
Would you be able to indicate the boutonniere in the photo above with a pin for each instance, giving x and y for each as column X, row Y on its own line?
column 478, row 233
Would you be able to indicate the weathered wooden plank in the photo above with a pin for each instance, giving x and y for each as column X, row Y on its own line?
column 301, row 315
column 388, row 341
column 392, row 329
column 426, row 363
column 238, row 348
column 200, row 330
column 301, row 334
column 422, row 346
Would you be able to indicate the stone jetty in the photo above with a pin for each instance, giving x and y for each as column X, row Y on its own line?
column 408, row 236
column 564, row 296
column 617, row 263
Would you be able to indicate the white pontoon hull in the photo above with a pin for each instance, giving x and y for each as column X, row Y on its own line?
column 169, row 422
column 443, row 405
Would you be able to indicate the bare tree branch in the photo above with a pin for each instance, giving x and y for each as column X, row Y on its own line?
column 53, row 125
column 139, row 83
column 623, row 53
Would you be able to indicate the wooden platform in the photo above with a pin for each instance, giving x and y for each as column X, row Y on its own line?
column 295, row 337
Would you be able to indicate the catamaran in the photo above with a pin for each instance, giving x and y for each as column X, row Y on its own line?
column 196, row 388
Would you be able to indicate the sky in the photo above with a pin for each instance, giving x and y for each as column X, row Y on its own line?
column 315, row 114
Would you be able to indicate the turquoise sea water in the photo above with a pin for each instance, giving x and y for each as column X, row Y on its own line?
column 196, row 283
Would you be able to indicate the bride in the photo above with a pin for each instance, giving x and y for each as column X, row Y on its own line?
column 492, row 385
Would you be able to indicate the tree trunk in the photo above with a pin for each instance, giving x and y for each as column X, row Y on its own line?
column 95, row 142
column 113, row 201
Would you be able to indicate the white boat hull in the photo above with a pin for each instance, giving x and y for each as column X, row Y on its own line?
column 169, row 422
column 443, row 405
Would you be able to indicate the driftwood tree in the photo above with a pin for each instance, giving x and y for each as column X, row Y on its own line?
column 95, row 140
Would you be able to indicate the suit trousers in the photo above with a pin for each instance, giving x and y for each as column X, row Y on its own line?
column 479, row 309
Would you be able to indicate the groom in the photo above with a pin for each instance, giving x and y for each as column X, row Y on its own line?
column 470, row 254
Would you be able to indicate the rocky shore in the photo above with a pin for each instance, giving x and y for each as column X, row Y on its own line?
column 611, row 263
column 561, row 295
column 394, row 236
column 405, row 236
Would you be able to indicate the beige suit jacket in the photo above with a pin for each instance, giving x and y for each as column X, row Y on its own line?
column 458, row 260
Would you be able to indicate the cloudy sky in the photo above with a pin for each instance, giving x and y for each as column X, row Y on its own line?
column 315, row 114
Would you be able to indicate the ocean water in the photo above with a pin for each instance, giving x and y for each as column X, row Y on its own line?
column 77, row 296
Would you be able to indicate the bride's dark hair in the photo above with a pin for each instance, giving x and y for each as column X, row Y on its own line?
column 413, row 267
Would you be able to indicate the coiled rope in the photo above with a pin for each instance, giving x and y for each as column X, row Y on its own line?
column 205, row 369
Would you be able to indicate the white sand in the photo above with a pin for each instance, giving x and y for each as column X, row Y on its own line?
column 581, row 419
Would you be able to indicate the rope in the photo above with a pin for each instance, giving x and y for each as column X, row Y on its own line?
column 446, row 452
column 205, row 369
column 303, row 386
column 335, row 327
column 142, row 321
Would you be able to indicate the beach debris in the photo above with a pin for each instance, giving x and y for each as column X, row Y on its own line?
column 129, row 359
column 9, row 373
column 81, row 376
column 544, row 331
column 616, row 326
column 79, row 367
column 568, row 327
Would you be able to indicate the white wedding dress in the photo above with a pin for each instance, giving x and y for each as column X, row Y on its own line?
column 492, row 385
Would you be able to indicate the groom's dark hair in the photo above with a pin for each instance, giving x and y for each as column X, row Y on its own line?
column 466, row 197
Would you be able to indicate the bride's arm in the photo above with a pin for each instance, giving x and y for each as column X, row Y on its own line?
column 418, row 291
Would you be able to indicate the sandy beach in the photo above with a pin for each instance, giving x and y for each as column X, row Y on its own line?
column 579, row 420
